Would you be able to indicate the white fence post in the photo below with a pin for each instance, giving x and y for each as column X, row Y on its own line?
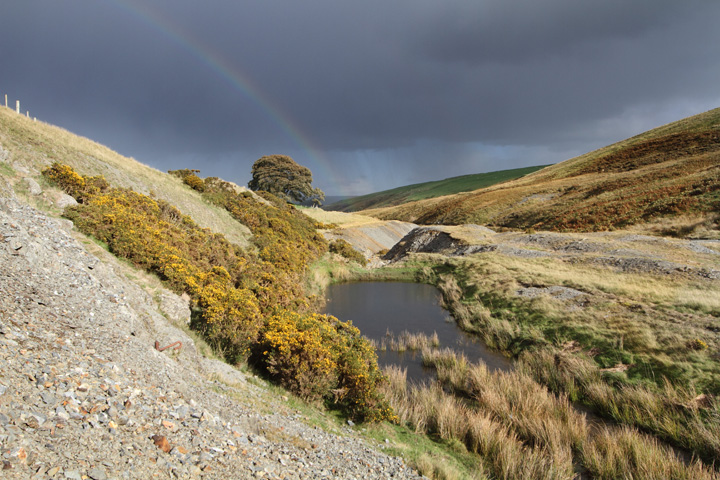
column 17, row 106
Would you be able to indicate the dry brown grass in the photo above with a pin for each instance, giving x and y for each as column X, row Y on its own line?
column 669, row 171
column 34, row 145
column 338, row 218
column 637, row 456
column 521, row 430
column 406, row 341
column 429, row 409
column 629, row 348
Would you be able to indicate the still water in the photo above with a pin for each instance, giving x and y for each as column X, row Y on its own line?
column 377, row 308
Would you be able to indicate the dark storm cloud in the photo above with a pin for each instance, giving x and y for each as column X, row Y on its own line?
column 384, row 93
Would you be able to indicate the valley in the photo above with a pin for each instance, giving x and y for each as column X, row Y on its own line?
column 598, row 278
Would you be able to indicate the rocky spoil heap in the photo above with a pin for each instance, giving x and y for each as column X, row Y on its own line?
column 620, row 252
column 84, row 393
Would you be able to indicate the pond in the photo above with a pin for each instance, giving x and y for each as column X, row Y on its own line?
column 382, row 308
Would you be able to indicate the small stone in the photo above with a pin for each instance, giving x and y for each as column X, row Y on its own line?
column 168, row 425
column 62, row 413
column 72, row 474
column 97, row 473
column 40, row 419
column 19, row 453
column 351, row 423
column 162, row 443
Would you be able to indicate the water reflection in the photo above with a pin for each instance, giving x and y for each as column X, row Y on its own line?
column 377, row 308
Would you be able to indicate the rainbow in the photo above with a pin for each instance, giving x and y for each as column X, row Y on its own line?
column 224, row 69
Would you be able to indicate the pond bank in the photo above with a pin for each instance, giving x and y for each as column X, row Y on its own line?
column 384, row 309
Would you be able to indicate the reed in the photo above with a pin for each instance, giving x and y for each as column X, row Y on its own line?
column 429, row 409
column 406, row 341
column 522, row 430
column 637, row 456
column 675, row 414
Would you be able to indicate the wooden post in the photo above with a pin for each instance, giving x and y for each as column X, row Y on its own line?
column 17, row 106
column 27, row 113
column 6, row 100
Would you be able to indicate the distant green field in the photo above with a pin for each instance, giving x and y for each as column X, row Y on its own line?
column 421, row 191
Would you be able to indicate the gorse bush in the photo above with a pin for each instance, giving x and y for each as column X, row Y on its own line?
column 248, row 304
column 190, row 178
column 310, row 354
column 301, row 352
column 75, row 185
column 343, row 248
column 230, row 317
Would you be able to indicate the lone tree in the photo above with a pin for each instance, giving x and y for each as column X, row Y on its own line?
column 281, row 176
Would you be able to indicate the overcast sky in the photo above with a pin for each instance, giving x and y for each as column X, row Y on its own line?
column 368, row 94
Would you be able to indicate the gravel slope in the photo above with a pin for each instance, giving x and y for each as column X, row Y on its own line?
column 84, row 393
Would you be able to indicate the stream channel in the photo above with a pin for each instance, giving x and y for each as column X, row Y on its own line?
column 377, row 308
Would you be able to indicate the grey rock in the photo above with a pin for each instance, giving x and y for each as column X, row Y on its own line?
column 176, row 308
column 64, row 200
column 4, row 154
column 33, row 186
column 48, row 398
column 97, row 473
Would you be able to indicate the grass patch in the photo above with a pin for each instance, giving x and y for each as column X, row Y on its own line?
column 421, row 191
column 436, row 459
column 7, row 170
column 519, row 429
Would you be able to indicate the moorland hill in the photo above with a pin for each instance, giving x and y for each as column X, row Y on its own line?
column 667, row 179
column 425, row 190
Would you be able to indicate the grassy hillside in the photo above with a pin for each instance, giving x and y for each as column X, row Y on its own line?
column 28, row 146
column 421, row 191
column 248, row 301
column 667, row 176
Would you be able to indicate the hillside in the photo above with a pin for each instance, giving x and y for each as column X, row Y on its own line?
column 421, row 191
column 84, row 393
column 27, row 146
column 667, row 179
column 108, row 317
